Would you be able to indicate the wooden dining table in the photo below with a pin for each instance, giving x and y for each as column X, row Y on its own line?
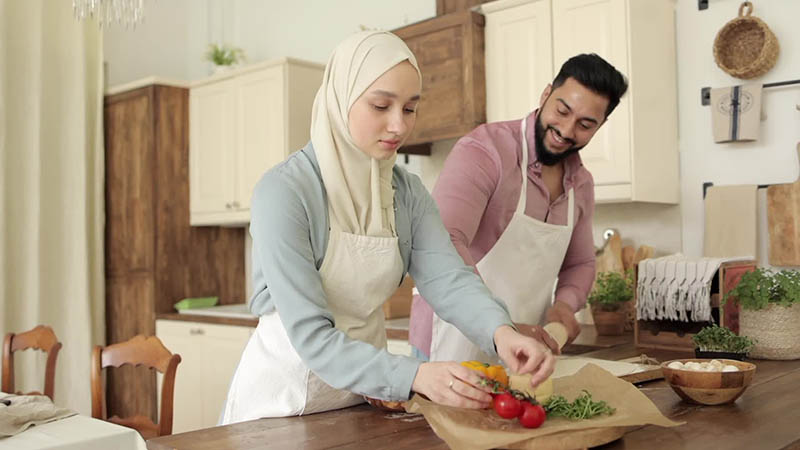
column 764, row 417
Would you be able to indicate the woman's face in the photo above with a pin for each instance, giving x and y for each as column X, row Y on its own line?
column 383, row 116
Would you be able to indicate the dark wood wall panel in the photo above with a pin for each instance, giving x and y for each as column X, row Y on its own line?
column 129, row 198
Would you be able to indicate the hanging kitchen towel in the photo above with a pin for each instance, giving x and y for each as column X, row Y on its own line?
column 676, row 288
column 731, row 221
column 736, row 113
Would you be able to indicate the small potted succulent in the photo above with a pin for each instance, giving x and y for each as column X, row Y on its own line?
column 718, row 342
column 770, row 312
column 224, row 56
column 610, row 293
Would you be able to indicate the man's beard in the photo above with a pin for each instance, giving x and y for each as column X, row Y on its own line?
column 544, row 155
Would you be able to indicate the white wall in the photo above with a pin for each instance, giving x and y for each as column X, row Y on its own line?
column 173, row 39
column 771, row 159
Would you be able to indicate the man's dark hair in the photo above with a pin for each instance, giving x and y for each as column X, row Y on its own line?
column 596, row 74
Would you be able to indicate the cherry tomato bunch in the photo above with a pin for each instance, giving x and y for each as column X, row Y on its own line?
column 510, row 405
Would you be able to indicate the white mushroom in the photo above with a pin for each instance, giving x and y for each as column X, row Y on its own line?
column 730, row 368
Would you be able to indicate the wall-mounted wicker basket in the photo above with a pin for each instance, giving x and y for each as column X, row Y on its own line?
column 745, row 47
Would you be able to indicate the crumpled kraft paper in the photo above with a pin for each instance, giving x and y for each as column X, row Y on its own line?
column 464, row 428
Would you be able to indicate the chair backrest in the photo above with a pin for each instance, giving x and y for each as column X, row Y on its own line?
column 138, row 351
column 40, row 338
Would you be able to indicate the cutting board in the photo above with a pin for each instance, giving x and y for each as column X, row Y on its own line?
column 632, row 372
column 783, row 218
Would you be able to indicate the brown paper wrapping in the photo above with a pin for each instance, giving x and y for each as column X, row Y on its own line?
column 482, row 429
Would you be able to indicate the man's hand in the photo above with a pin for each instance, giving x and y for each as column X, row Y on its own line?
column 523, row 354
column 540, row 335
column 563, row 313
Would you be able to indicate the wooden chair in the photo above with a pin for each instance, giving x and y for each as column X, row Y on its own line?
column 40, row 338
column 139, row 351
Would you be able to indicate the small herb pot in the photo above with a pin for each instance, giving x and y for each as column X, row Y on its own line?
column 719, row 355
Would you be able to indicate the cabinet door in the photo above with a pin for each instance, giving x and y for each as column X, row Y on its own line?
column 598, row 26
column 210, row 354
column 185, row 339
column 222, row 348
column 130, row 203
column 519, row 59
column 261, row 128
column 212, row 148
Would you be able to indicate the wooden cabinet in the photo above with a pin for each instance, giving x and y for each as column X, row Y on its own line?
column 449, row 50
column 209, row 356
column 154, row 257
column 633, row 157
column 243, row 123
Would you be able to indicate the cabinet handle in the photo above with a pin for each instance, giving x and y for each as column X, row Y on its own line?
column 227, row 206
column 197, row 331
column 235, row 204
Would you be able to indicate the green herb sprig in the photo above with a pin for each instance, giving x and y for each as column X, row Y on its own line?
column 583, row 407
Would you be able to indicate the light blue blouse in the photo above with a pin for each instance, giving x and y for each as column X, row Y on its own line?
column 289, row 226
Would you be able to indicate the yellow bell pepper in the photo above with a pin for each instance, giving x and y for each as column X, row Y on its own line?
column 496, row 373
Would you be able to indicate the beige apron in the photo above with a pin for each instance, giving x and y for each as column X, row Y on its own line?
column 358, row 274
column 521, row 269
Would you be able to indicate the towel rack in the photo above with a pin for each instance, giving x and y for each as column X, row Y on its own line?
column 705, row 93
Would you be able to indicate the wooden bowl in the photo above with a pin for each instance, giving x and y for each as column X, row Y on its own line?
column 709, row 388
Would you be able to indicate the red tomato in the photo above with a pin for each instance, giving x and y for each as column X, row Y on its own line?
column 507, row 406
column 532, row 415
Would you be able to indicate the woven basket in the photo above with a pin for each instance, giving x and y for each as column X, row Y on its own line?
column 745, row 47
column 776, row 329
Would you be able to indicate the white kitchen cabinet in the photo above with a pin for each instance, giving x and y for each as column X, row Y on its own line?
column 209, row 356
column 634, row 157
column 241, row 124
column 519, row 57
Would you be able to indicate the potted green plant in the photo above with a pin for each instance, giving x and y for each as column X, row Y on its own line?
column 719, row 342
column 610, row 293
column 769, row 313
column 224, row 56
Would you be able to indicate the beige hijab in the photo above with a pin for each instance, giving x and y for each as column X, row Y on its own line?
column 360, row 193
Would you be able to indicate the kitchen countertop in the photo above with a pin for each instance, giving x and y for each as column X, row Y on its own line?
column 397, row 329
column 761, row 419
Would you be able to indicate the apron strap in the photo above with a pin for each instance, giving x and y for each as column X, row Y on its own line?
column 571, row 208
column 523, row 193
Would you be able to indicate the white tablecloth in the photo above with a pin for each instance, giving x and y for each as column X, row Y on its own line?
column 76, row 433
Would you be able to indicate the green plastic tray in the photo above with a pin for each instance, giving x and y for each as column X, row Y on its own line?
column 196, row 302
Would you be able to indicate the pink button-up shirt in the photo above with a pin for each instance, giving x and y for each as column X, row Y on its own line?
column 477, row 194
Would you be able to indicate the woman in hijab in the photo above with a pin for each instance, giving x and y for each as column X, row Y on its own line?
column 335, row 228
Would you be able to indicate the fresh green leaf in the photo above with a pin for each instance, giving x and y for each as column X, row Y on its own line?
column 583, row 407
column 224, row 55
column 761, row 287
column 611, row 290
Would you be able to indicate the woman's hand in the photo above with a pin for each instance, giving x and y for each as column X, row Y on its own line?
column 523, row 354
column 451, row 384
column 540, row 335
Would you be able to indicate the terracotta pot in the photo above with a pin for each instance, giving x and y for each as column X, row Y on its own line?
column 609, row 323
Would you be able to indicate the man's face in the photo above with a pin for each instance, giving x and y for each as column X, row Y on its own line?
column 569, row 116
